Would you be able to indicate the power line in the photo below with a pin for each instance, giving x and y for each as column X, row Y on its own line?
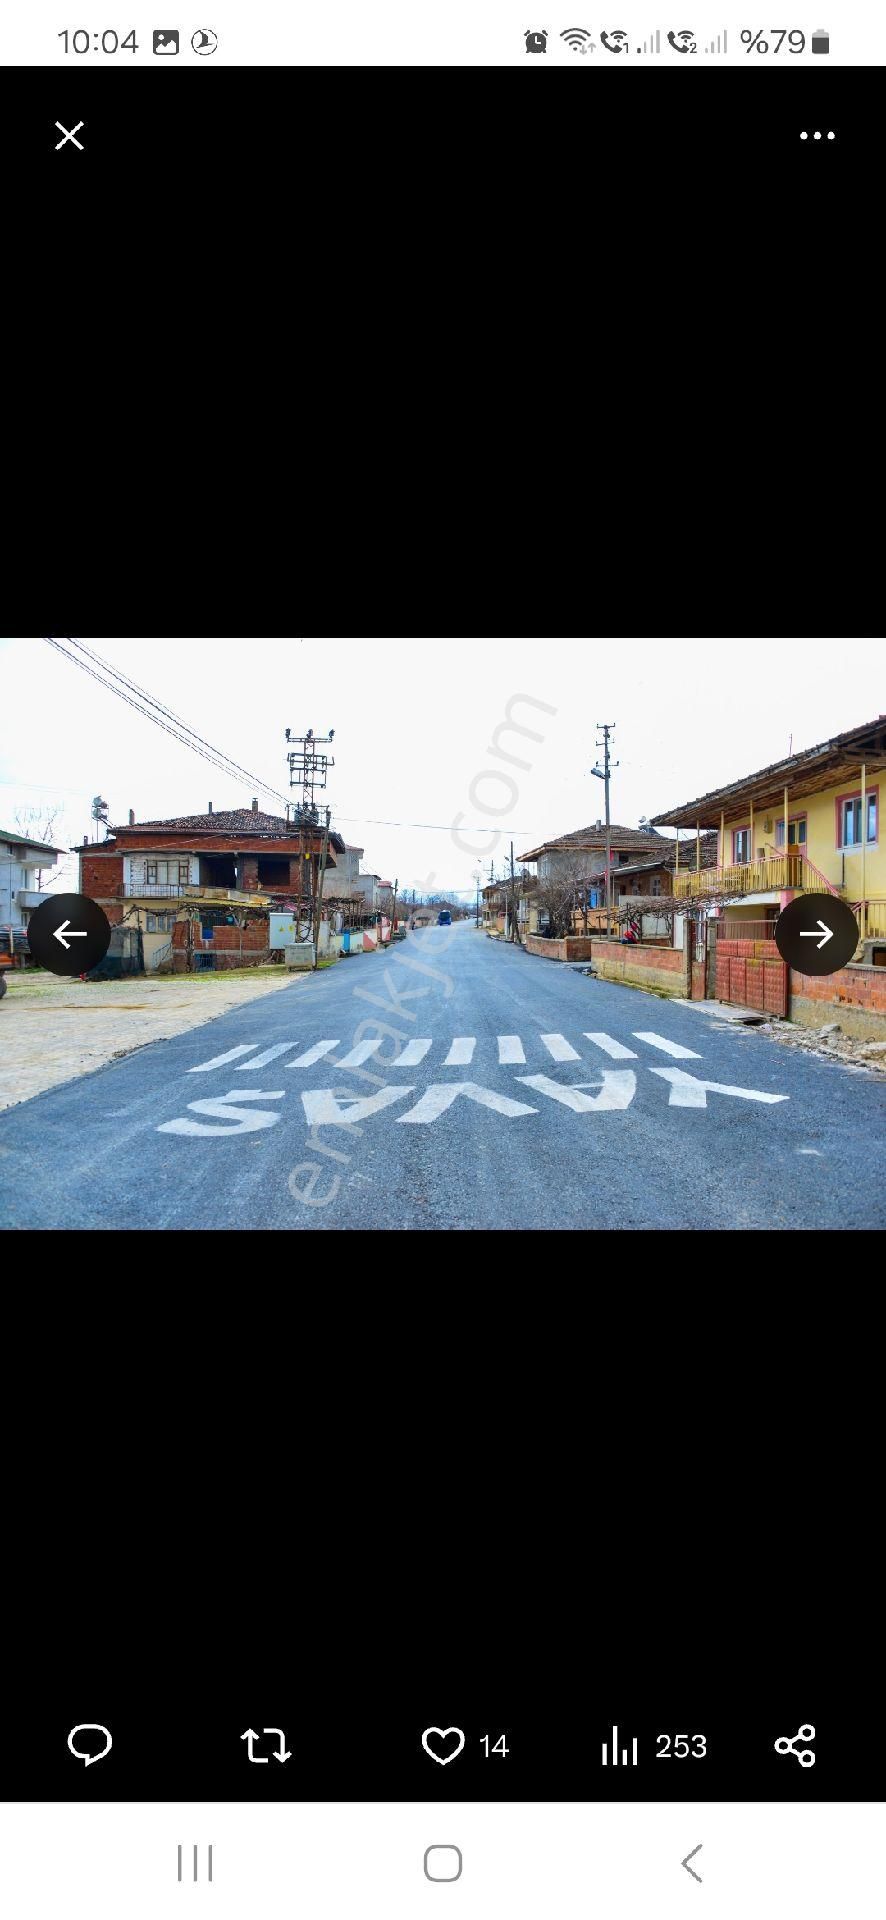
column 431, row 826
column 169, row 713
column 186, row 738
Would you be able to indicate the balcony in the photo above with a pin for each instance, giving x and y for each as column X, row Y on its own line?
column 30, row 900
column 168, row 890
column 778, row 873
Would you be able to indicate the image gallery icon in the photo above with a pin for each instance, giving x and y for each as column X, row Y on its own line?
column 165, row 40
column 536, row 42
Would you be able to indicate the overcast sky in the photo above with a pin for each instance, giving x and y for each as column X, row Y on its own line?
column 414, row 723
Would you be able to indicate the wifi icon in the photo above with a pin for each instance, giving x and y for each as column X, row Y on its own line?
column 578, row 39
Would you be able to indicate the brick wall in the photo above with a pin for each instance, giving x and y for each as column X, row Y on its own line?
column 661, row 969
column 856, row 997
column 574, row 947
column 232, row 946
column 101, row 875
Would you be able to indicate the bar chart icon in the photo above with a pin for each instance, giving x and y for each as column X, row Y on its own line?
column 611, row 1755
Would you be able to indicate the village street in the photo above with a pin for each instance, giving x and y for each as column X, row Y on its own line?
column 453, row 1082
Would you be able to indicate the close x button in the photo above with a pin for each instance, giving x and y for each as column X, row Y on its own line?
column 69, row 136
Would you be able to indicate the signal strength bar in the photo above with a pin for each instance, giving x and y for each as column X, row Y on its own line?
column 653, row 44
column 625, row 1762
column 716, row 49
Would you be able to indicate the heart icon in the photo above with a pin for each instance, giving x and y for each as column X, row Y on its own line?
column 443, row 1737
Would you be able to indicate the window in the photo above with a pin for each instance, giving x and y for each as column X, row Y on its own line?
column 849, row 819
column 160, row 922
column 796, row 831
column 164, row 873
column 741, row 846
column 655, row 885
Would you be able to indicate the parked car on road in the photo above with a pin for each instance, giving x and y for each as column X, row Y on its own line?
column 444, row 919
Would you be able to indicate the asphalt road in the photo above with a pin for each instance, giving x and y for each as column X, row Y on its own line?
column 453, row 1082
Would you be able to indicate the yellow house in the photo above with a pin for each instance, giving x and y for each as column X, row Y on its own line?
column 807, row 824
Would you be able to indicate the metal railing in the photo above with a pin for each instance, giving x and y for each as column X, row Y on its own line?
column 169, row 890
column 781, row 872
column 871, row 917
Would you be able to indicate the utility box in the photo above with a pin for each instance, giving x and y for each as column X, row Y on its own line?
column 283, row 930
column 300, row 954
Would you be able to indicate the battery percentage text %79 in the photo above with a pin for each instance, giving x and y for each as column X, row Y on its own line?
column 754, row 42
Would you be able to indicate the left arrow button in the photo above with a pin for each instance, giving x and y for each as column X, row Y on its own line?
column 691, row 1856
column 69, row 934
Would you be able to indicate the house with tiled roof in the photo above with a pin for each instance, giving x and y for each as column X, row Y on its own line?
column 654, row 878
column 806, row 824
column 222, row 872
column 582, row 854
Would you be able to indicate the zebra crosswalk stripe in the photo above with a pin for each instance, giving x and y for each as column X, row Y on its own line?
column 313, row 1054
column 264, row 1059
column 510, row 1050
column 413, row 1052
column 222, row 1059
column 461, row 1052
column 614, row 1048
column 667, row 1046
column 558, row 1047
column 362, row 1051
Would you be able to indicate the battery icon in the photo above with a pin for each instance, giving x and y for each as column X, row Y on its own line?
column 821, row 42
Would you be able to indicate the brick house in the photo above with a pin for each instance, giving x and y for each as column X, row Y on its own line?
column 807, row 824
column 200, row 887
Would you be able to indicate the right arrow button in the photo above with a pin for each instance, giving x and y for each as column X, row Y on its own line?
column 691, row 1856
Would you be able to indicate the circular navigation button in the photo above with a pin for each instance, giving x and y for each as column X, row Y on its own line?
column 69, row 934
column 817, row 933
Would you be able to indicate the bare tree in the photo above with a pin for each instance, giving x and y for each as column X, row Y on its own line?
column 563, row 893
column 38, row 823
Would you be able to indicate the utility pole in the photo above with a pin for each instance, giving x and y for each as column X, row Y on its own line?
column 394, row 909
column 320, row 877
column 308, row 768
column 602, row 773
column 513, row 898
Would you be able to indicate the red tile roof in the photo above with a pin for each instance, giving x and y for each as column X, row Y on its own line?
column 234, row 820
column 589, row 839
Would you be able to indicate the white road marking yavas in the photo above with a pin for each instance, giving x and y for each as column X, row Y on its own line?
column 244, row 1118
column 413, row 1053
column 558, row 1047
column 510, row 1050
column 326, row 1107
column 667, row 1046
column 689, row 1092
column 270, row 1053
column 222, row 1059
column 362, row 1051
column 461, row 1052
column 615, row 1094
column 313, row 1054
column 436, row 1100
column 614, row 1048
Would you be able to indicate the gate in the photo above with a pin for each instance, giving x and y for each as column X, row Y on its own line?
column 745, row 968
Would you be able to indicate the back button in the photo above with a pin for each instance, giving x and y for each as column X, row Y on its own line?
column 69, row 934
